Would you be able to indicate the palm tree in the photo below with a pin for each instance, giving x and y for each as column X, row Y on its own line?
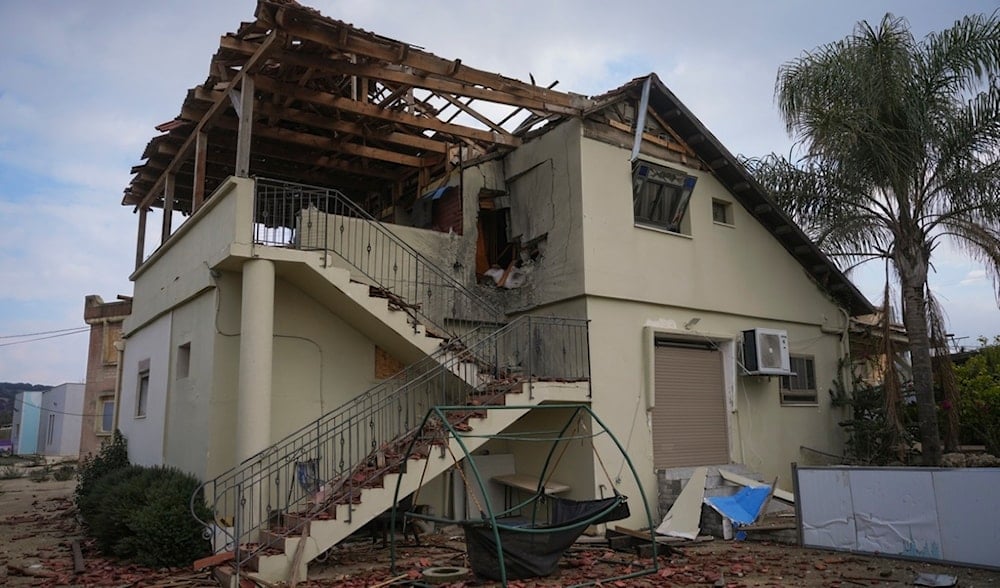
column 901, row 150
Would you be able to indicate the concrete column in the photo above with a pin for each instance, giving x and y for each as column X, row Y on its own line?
column 253, row 425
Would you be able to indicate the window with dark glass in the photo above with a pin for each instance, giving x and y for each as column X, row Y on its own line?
column 800, row 387
column 660, row 197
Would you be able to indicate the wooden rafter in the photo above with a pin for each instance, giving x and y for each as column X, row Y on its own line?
column 206, row 120
column 358, row 108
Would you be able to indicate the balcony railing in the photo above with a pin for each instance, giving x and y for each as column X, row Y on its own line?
column 313, row 218
column 355, row 445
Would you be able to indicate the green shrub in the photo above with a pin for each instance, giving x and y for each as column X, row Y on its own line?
column 112, row 456
column 870, row 438
column 106, row 506
column 142, row 514
column 979, row 398
column 39, row 474
column 64, row 473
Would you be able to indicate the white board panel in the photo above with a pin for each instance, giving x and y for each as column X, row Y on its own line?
column 928, row 514
column 969, row 515
column 827, row 511
column 896, row 513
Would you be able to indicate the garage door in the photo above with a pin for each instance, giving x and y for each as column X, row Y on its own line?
column 689, row 417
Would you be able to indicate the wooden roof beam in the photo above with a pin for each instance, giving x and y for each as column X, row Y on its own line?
column 407, row 76
column 307, row 27
column 329, row 144
column 352, row 106
column 217, row 106
column 341, row 126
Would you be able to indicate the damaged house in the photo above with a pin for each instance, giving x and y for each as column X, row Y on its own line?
column 353, row 205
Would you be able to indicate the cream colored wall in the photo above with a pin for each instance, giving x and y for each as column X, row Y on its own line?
column 189, row 421
column 739, row 269
column 145, row 434
column 543, row 178
column 312, row 346
column 319, row 361
column 225, row 373
column 763, row 434
column 180, row 268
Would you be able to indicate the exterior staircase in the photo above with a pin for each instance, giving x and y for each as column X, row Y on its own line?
column 283, row 507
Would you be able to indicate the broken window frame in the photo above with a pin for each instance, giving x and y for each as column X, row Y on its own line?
column 661, row 197
column 799, row 388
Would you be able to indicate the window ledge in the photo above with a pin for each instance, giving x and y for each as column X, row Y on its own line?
column 139, row 417
column 656, row 229
column 103, row 433
column 797, row 404
column 727, row 225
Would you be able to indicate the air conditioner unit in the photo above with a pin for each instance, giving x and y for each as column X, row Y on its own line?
column 765, row 352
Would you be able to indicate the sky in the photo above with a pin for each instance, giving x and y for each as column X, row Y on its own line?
column 82, row 84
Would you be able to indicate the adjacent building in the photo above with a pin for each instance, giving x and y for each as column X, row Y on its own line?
column 105, row 320
column 60, row 419
column 27, row 415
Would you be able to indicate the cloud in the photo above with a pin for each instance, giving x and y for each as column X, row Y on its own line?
column 974, row 277
column 84, row 83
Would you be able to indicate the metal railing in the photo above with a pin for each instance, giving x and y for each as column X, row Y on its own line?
column 307, row 217
column 330, row 460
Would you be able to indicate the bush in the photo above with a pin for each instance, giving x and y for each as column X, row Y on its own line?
column 870, row 437
column 39, row 475
column 64, row 473
column 113, row 456
column 142, row 514
column 979, row 398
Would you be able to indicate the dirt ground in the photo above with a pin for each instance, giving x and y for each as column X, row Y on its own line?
column 38, row 526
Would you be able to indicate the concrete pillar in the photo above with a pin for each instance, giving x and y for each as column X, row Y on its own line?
column 253, row 425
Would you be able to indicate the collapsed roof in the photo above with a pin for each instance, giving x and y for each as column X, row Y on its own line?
column 335, row 105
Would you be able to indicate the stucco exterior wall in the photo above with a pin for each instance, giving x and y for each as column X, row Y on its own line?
column 763, row 434
column 146, row 349
column 60, row 419
column 189, row 422
column 181, row 267
column 543, row 178
column 27, row 410
column 739, row 269
column 320, row 362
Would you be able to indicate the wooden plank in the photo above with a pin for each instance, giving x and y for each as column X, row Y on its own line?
column 216, row 108
column 213, row 560
column 354, row 41
column 343, row 126
column 744, row 481
column 678, row 147
column 644, row 535
column 435, row 82
column 78, row 564
column 140, row 241
column 168, row 206
column 245, row 131
column 326, row 143
column 200, row 158
column 348, row 105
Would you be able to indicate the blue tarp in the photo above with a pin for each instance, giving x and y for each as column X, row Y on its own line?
column 743, row 507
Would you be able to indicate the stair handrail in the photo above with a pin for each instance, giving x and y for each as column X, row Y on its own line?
column 298, row 199
column 519, row 336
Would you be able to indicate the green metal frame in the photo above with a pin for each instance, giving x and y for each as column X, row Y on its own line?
column 441, row 413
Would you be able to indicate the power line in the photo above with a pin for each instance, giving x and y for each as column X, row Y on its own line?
column 77, row 332
column 42, row 333
column 79, row 414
